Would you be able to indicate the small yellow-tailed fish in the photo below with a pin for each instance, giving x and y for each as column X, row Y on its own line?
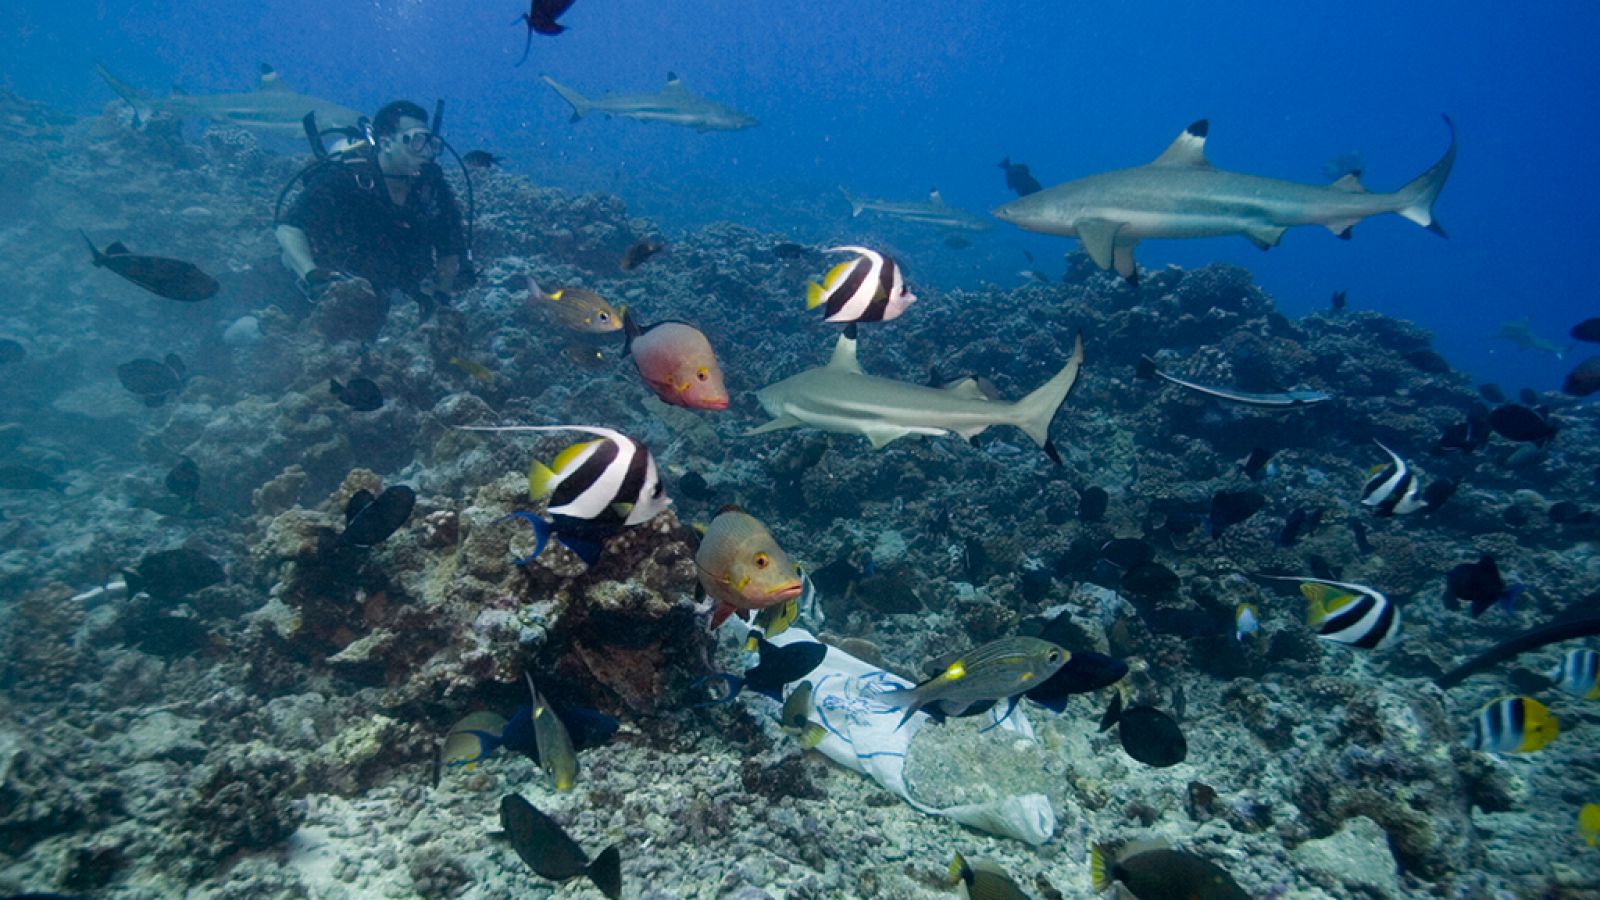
column 476, row 370
column 1245, row 621
column 983, row 880
column 579, row 309
column 556, row 753
column 796, row 716
column 1513, row 725
column 1589, row 823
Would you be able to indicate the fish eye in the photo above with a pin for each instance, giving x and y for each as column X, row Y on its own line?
column 702, row 373
column 605, row 317
column 762, row 561
column 1054, row 655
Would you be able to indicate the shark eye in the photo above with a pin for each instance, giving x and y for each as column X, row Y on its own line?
column 762, row 561
column 702, row 373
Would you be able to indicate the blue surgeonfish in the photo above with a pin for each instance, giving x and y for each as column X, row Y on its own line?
column 1578, row 674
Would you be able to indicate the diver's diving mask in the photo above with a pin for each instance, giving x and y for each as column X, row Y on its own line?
column 421, row 142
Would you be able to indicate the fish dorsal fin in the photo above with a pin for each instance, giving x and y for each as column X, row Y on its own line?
column 674, row 83
column 269, row 80
column 966, row 387
column 935, row 197
column 117, row 249
column 1324, row 600
column 844, row 355
column 1349, row 183
column 565, row 457
column 1188, row 150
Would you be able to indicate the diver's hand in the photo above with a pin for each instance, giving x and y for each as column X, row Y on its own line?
column 316, row 282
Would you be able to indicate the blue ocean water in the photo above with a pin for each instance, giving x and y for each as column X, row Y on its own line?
column 892, row 99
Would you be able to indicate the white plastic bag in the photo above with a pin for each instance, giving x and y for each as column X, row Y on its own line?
column 865, row 736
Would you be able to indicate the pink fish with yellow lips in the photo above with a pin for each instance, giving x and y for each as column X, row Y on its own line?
column 742, row 567
column 677, row 362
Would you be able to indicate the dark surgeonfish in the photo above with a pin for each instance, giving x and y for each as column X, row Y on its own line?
column 360, row 394
column 1278, row 401
column 541, row 17
column 638, row 253
column 1583, row 380
column 984, row 880
column 480, row 159
column 173, row 574
column 369, row 520
column 551, row 852
column 170, row 278
column 1479, row 584
column 152, row 380
column 1150, row 871
column 1232, row 507
column 1147, row 734
column 184, row 479
column 1587, row 330
column 776, row 666
column 1019, row 179
column 1516, row 422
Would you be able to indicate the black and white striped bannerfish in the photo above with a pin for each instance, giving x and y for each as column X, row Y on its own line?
column 869, row 288
column 1578, row 673
column 594, row 487
column 1512, row 725
column 1392, row 489
column 1347, row 613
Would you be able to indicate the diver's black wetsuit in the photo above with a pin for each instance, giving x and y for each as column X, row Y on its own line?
column 354, row 228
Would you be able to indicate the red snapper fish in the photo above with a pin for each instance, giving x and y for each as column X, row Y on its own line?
column 676, row 361
column 742, row 567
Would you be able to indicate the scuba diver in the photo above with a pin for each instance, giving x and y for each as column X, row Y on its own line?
column 376, row 216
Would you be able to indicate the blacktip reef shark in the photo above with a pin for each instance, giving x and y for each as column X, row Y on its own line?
column 272, row 108
column 1181, row 195
column 840, row 398
column 1280, row 401
column 1520, row 332
column 932, row 211
column 674, row 105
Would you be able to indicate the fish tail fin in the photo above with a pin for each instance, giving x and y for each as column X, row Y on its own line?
column 606, row 872
column 1035, row 411
column 1317, row 599
column 855, row 205
column 630, row 330
column 813, row 295
column 812, row 735
column 536, row 292
column 133, row 581
column 580, row 104
column 541, row 533
column 99, row 258
column 1417, row 198
column 1099, row 867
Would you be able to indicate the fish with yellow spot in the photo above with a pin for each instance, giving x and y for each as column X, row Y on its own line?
column 676, row 361
column 999, row 670
column 742, row 567
column 1513, row 725
column 556, row 754
column 579, row 309
column 1589, row 823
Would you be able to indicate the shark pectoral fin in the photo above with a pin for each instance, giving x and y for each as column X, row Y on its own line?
column 1350, row 183
column 1099, row 236
column 1265, row 236
column 778, row 424
column 880, row 435
column 966, row 387
column 1125, row 265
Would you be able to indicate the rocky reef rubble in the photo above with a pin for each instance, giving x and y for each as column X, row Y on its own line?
column 273, row 735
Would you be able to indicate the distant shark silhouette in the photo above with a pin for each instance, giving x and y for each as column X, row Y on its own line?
column 1181, row 195
column 933, row 211
column 1520, row 332
column 272, row 108
column 674, row 105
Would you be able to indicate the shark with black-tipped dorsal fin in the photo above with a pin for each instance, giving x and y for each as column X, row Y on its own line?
column 674, row 104
column 272, row 108
column 840, row 398
column 1181, row 195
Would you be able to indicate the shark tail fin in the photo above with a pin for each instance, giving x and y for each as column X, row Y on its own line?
column 1038, row 409
column 135, row 98
column 580, row 104
column 855, row 205
column 1417, row 198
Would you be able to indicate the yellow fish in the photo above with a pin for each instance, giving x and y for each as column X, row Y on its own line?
column 476, row 370
column 1589, row 823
